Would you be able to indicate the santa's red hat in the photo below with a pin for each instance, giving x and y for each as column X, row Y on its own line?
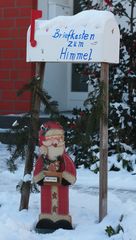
column 49, row 128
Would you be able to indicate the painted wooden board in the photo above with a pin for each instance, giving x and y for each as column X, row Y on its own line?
column 89, row 36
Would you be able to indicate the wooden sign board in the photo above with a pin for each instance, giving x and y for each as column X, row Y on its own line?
column 89, row 36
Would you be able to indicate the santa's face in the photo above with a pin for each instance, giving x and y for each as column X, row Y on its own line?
column 53, row 144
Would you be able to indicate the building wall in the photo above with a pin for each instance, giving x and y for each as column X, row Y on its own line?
column 56, row 74
column 58, row 77
column 14, row 71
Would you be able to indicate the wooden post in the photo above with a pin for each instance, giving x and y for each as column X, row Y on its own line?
column 103, row 141
column 32, row 137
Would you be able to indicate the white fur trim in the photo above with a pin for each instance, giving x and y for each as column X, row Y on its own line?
column 70, row 178
column 39, row 177
column 54, row 132
column 55, row 217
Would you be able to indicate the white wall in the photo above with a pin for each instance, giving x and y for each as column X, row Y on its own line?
column 56, row 77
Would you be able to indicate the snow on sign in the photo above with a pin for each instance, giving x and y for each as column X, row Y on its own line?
column 89, row 36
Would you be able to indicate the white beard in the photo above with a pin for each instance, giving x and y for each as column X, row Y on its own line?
column 54, row 152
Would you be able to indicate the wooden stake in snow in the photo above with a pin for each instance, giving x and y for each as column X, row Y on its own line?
column 33, row 135
column 103, row 141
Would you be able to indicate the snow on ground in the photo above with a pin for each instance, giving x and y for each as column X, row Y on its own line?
column 84, row 207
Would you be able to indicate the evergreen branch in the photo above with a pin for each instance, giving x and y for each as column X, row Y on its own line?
column 29, row 86
column 51, row 106
column 120, row 10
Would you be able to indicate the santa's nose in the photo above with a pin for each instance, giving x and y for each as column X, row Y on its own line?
column 55, row 145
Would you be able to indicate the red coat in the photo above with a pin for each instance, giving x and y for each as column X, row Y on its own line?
column 55, row 196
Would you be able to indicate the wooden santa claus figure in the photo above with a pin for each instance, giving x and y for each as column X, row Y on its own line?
column 54, row 171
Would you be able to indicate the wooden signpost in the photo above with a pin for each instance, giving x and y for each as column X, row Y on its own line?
column 90, row 36
column 103, row 171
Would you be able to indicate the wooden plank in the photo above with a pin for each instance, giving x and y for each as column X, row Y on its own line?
column 104, row 79
column 32, row 137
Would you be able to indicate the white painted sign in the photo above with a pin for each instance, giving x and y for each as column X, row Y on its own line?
column 89, row 36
